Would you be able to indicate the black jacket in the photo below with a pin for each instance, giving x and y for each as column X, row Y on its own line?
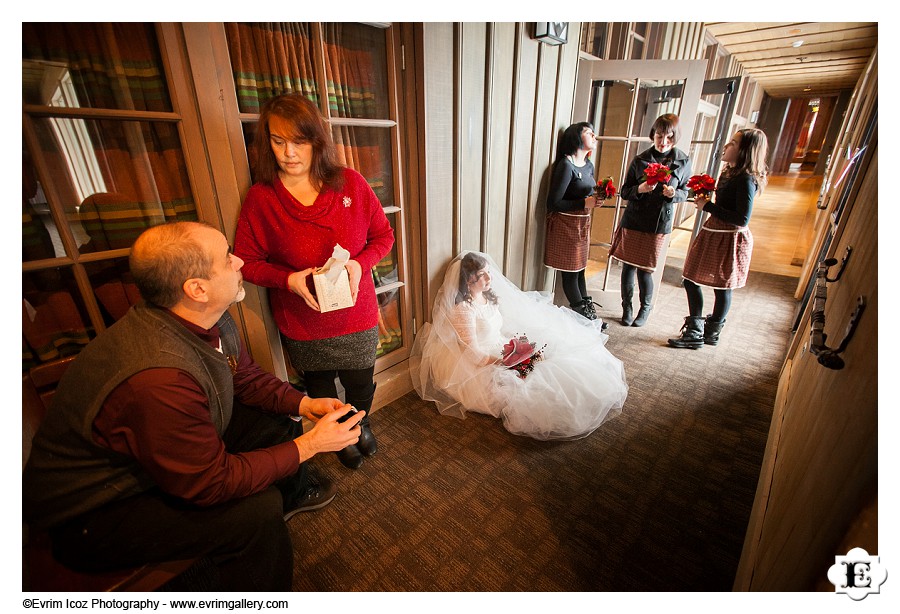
column 653, row 212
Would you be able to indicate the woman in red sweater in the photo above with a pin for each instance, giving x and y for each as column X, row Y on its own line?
column 302, row 204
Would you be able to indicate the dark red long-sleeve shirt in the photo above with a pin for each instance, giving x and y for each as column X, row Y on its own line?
column 160, row 417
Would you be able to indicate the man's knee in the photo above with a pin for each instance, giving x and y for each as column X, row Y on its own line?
column 262, row 511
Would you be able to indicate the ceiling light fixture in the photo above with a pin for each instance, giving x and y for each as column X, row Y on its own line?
column 796, row 44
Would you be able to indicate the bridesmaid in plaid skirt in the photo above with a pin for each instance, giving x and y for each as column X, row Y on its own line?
column 569, row 202
column 719, row 257
column 649, row 216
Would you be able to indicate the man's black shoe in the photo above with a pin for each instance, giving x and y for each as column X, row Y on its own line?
column 320, row 491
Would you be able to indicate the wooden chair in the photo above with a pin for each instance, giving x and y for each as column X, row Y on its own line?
column 40, row 571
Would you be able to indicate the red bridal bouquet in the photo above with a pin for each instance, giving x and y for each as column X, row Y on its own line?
column 520, row 354
column 656, row 173
column 605, row 189
column 702, row 185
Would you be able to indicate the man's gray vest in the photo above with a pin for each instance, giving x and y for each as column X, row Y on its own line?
column 67, row 473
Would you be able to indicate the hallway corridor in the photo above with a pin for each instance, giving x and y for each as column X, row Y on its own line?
column 782, row 224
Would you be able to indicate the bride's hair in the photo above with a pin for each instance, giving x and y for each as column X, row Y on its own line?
column 469, row 266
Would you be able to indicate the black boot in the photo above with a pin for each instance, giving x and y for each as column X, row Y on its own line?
column 644, row 312
column 627, row 312
column 691, row 334
column 350, row 457
column 366, row 444
column 585, row 308
column 646, row 308
column 591, row 313
column 712, row 329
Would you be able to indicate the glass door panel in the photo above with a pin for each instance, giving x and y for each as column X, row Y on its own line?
column 269, row 59
column 368, row 151
column 96, row 65
column 387, row 272
column 55, row 321
column 625, row 99
column 355, row 69
column 346, row 69
column 611, row 108
column 113, row 287
column 390, row 335
column 654, row 98
column 115, row 178
column 102, row 160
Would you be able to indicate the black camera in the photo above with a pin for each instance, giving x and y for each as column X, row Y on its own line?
column 346, row 416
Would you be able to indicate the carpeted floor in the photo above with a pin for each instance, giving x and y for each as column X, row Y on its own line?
column 657, row 499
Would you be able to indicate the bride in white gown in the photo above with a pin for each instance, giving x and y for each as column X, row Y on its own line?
column 456, row 359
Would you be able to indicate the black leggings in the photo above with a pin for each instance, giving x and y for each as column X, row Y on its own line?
column 574, row 286
column 644, row 278
column 359, row 385
column 695, row 300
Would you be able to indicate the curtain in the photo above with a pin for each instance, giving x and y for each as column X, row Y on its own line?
column 270, row 59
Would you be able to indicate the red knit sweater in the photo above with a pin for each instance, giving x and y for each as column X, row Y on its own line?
column 276, row 236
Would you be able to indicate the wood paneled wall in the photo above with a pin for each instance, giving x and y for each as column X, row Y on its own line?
column 496, row 101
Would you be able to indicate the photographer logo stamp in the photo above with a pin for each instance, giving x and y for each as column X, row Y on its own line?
column 857, row 575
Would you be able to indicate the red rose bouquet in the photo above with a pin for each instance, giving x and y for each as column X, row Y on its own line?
column 702, row 185
column 605, row 189
column 520, row 354
column 656, row 173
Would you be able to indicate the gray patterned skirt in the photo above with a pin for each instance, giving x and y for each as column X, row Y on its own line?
column 353, row 351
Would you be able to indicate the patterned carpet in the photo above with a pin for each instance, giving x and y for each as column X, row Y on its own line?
column 657, row 499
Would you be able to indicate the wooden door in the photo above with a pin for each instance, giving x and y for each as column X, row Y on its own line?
column 820, row 467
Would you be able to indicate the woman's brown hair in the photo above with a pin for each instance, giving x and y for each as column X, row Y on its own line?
column 751, row 157
column 666, row 124
column 299, row 111
column 469, row 266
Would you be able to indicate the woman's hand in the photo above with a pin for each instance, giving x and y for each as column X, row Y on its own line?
column 668, row 191
column 354, row 272
column 591, row 202
column 297, row 285
column 645, row 188
column 700, row 201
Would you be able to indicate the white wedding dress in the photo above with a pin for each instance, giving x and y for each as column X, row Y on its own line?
column 570, row 392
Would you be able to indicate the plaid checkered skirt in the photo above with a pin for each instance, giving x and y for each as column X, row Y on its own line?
column 720, row 255
column 637, row 248
column 568, row 240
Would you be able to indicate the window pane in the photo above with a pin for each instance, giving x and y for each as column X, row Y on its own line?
column 637, row 48
column 113, row 287
column 40, row 237
column 269, row 59
column 610, row 163
column 655, row 98
column 390, row 336
column 593, row 38
column 98, row 65
column 613, row 107
column 368, row 151
column 115, row 178
column 356, row 70
column 386, row 272
column 54, row 321
column 618, row 40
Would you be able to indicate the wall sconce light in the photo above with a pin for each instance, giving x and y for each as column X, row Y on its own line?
column 552, row 32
